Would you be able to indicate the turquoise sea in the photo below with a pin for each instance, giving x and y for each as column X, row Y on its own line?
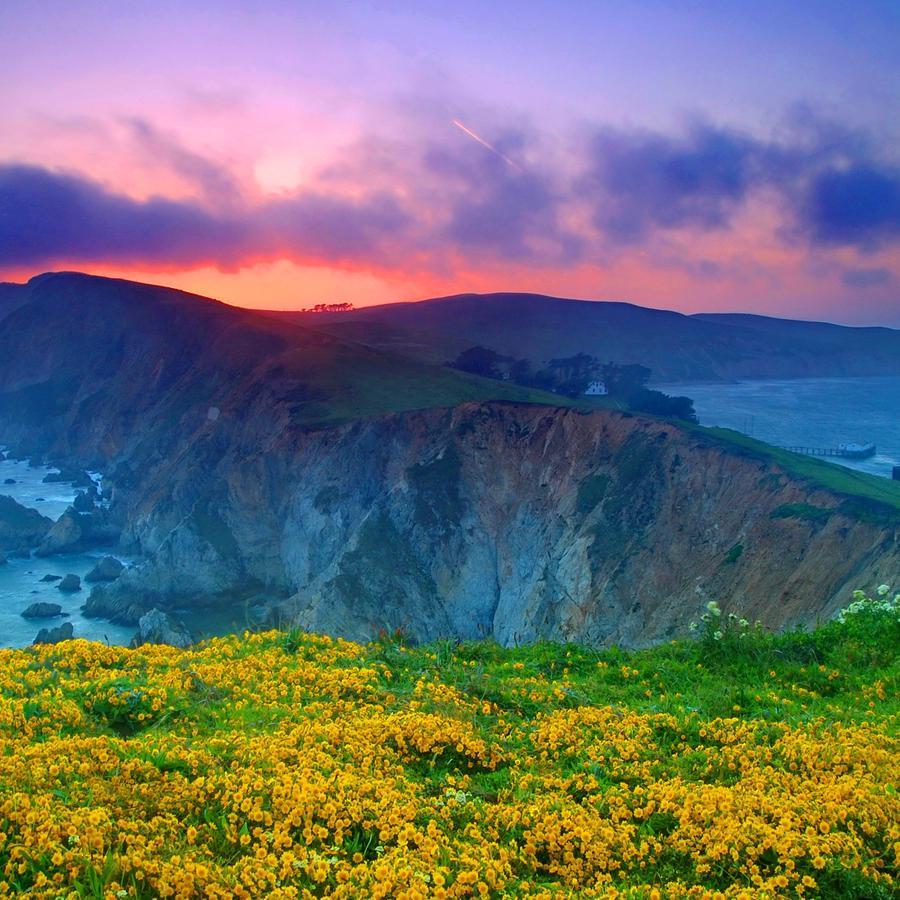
column 20, row 579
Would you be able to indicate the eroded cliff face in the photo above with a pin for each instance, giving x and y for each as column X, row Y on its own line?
column 516, row 522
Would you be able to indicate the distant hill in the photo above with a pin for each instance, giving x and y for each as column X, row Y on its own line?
column 12, row 296
column 675, row 346
column 73, row 344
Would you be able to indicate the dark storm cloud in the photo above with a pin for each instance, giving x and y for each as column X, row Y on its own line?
column 643, row 181
column 424, row 203
column 833, row 188
column 858, row 205
column 46, row 216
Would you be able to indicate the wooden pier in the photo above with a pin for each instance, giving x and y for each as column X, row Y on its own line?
column 847, row 451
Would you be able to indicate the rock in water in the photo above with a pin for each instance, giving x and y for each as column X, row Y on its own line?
column 68, row 476
column 124, row 609
column 20, row 527
column 49, row 578
column 158, row 627
column 75, row 531
column 42, row 610
column 63, row 632
column 108, row 569
column 65, row 534
column 70, row 584
column 83, row 502
column 9, row 480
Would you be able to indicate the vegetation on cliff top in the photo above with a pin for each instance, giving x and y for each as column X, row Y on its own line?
column 867, row 497
column 287, row 765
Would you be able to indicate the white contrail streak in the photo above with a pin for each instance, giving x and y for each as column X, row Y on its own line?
column 484, row 143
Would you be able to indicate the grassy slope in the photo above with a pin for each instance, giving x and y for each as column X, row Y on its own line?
column 352, row 382
column 325, row 379
column 676, row 346
column 880, row 496
column 275, row 764
column 523, row 325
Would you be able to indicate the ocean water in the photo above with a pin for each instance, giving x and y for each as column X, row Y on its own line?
column 50, row 500
column 809, row 412
column 20, row 579
column 20, row 585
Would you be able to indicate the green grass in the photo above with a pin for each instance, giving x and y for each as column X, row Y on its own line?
column 873, row 498
column 346, row 382
column 734, row 554
column 805, row 511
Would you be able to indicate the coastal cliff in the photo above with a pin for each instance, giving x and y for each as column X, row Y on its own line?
column 499, row 520
column 252, row 463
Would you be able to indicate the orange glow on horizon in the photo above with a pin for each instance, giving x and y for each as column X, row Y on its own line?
column 286, row 285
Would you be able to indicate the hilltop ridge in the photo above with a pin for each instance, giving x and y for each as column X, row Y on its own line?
column 675, row 346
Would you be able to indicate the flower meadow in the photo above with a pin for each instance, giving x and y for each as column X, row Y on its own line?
column 734, row 764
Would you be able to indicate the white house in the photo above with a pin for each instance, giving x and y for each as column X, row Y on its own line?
column 596, row 389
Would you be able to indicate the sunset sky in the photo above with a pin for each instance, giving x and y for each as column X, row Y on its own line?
column 689, row 155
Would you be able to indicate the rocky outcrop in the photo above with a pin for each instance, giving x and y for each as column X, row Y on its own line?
column 65, row 534
column 42, row 610
column 76, row 531
column 21, row 528
column 121, row 606
column 503, row 521
column 107, row 569
column 64, row 632
column 70, row 584
column 77, row 477
column 158, row 627
column 84, row 501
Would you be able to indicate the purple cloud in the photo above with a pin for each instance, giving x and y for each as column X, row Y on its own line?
column 423, row 204
column 642, row 181
column 834, row 190
column 215, row 182
column 498, row 209
column 47, row 216
column 858, row 205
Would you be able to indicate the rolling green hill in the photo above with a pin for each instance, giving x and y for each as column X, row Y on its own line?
column 73, row 344
column 676, row 347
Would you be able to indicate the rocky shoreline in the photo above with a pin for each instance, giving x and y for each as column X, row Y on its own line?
column 84, row 527
column 499, row 520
